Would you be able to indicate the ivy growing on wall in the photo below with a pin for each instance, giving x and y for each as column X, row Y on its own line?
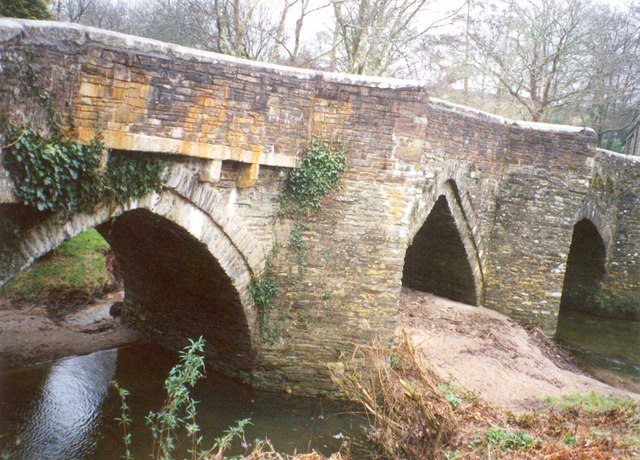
column 56, row 175
column 320, row 170
column 60, row 175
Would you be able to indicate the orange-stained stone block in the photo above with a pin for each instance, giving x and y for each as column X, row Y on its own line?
column 90, row 90
column 248, row 175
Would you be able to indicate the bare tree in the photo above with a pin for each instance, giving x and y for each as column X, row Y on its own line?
column 611, row 104
column 71, row 10
column 535, row 53
column 374, row 35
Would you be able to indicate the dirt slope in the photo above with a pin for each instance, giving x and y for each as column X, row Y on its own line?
column 490, row 354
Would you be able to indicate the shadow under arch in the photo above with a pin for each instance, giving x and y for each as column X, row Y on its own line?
column 443, row 257
column 586, row 268
column 182, row 273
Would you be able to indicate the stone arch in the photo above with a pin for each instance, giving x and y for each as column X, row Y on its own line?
column 443, row 236
column 585, row 268
column 603, row 225
column 176, row 220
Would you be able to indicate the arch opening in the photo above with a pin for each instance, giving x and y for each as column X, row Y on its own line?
column 585, row 269
column 436, row 261
column 177, row 289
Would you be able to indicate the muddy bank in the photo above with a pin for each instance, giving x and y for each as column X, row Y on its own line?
column 492, row 355
column 31, row 334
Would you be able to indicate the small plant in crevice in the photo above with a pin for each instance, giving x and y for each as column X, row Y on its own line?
column 264, row 291
column 296, row 243
column 298, row 249
column 320, row 169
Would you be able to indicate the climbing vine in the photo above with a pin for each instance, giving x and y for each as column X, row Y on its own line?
column 60, row 175
column 320, row 170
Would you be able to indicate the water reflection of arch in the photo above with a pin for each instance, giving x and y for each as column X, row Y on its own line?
column 448, row 199
column 198, row 219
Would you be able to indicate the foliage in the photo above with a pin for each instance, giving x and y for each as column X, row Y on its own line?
column 129, row 177
column 179, row 409
column 73, row 273
column 296, row 244
column 298, row 249
column 413, row 415
column 178, row 415
column 593, row 402
column 26, row 9
column 125, row 419
column 178, row 412
column 57, row 174
column 264, row 291
column 320, row 169
column 60, row 175
column 616, row 305
column 510, row 441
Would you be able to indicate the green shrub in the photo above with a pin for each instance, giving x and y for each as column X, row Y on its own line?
column 592, row 402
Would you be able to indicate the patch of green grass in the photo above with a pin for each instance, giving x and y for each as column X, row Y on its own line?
column 74, row 272
column 592, row 402
column 510, row 441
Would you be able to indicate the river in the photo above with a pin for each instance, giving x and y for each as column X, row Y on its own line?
column 65, row 409
column 608, row 349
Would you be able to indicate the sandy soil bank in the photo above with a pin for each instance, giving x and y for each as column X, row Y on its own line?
column 492, row 355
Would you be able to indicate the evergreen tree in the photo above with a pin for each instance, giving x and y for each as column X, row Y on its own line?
column 27, row 9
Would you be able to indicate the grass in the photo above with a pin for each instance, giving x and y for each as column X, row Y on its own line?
column 74, row 273
column 592, row 402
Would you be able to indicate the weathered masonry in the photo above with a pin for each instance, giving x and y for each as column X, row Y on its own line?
column 436, row 197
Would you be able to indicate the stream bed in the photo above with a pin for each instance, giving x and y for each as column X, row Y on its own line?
column 65, row 409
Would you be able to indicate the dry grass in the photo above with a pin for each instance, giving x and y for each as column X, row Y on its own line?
column 411, row 417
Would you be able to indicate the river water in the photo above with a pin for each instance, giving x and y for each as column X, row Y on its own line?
column 608, row 349
column 66, row 410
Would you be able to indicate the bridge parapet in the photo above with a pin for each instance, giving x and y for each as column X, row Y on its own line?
column 154, row 97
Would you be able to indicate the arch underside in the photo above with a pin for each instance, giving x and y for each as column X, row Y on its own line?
column 439, row 260
column 585, row 269
column 183, row 277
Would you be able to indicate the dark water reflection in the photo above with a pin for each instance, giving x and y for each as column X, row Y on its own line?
column 607, row 348
column 65, row 409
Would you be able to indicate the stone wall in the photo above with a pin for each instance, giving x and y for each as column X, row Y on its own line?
column 614, row 202
column 514, row 190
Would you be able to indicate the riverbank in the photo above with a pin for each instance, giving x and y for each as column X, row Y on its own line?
column 31, row 334
column 492, row 355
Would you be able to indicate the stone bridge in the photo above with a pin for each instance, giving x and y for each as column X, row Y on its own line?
column 437, row 197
